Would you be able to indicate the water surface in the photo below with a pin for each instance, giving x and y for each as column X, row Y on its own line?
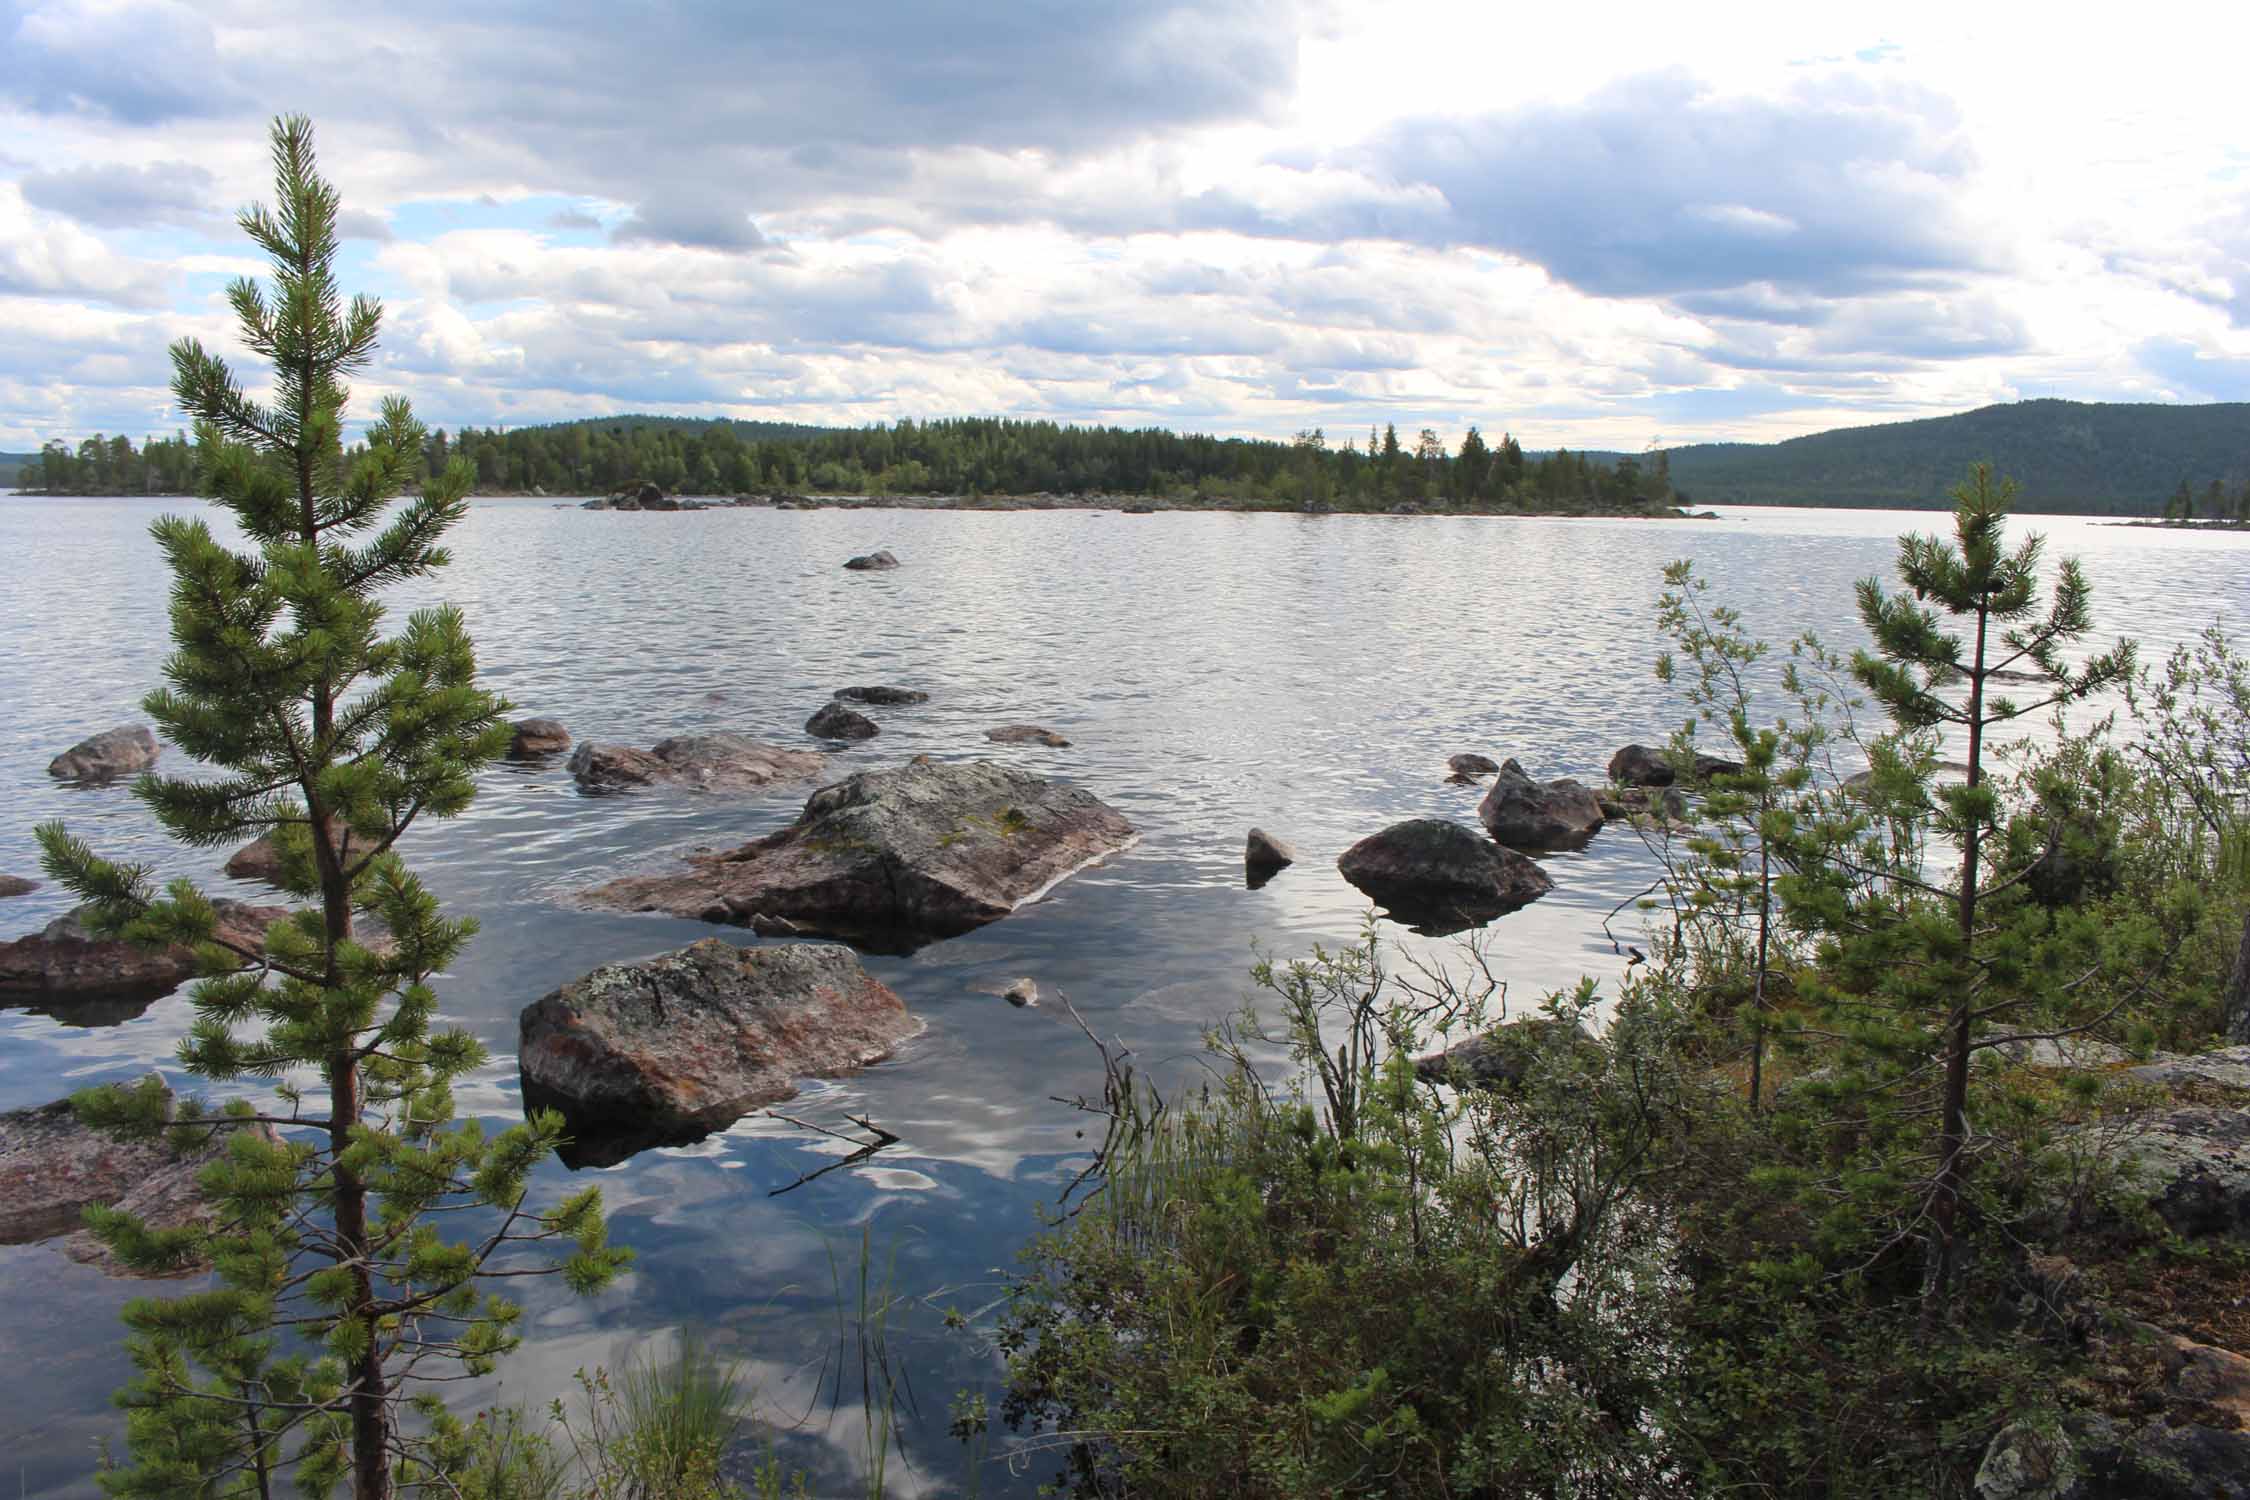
column 1308, row 675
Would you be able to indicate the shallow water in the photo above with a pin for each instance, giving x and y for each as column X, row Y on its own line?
column 1309, row 675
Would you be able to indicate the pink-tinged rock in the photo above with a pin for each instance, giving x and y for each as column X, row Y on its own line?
column 703, row 762
column 52, row 1168
column 670, row 1048
column 893, row 858
column 537, row 737
column 64, row 959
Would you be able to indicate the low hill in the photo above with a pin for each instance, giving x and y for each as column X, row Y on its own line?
column 2067, row 455
column 10, row 462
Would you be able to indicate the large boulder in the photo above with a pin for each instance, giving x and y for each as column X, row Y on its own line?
column 883, row 697
column 895, row 857
column 52, row 1168
column 1437, row 873
column 2194, row 1162
column 113, row 752
column 671, row 1048
column 537, row 737
column 872, row 562
column 64, row 959
column 705, row 762
column 833, row 721
column 1527, row 814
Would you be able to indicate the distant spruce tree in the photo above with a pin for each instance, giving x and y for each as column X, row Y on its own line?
column 1974, row 963
column 337, row 1297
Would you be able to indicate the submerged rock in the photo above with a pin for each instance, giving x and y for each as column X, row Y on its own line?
column 883, row 697
column 668, row 1049
column 537, row 737
column 1026, row 734
column 1024, row 992
column 872, row 562
column 893, row 858
column 705, row 762
column 833, row 721
column 1432, row 872
column 113, row 752
column 52, row 1168
column 64, row 959
column 1527, row 814
column 16, row 885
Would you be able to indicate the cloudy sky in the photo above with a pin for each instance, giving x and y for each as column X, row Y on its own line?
column 1594, row 225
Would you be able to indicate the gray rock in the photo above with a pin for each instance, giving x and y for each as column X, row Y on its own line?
column 1501, row 1057
column 1262, row 851
column 52, row 1168
column 2195, row 1163
column 1026, row 734
column 833, row 721
column 872, row 562
column 1641, row 765
column 2227, row 1067
column 64, row 959
column 671, row 1048
column 1023, row 992
column 893, row 858
column 537, row 737
column 1527, row 814
column 1472, row 765
column 2025, row 1461
column 16, row 885
column 1708, row 766
column 703, row 762
column 1435, row 873
column 883, row 697
column 113, row 752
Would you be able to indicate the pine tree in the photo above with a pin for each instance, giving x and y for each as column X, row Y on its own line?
column 337, row 1297
column 1970, row 972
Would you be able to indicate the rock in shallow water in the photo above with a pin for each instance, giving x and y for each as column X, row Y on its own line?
column 1472, row 765
column 1026, row 734
column 1262, row 851
column 872, row 562
column 705, row 762
column 537, row 737
column 16, row 885
column 113, row 752
column 668, row 1049
column 1441, row 875
column 889, row 697
column 52, row 1167
column 64, row 959
column 1527, row 814
column 833, row 721
column 893, row 858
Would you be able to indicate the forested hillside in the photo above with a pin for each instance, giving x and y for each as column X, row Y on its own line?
column 2067, row 455
column 10, row 463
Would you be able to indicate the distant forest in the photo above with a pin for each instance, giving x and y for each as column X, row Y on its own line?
column 2182, row 461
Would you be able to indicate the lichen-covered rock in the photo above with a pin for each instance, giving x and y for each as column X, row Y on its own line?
column 884, row 697
column 1433, row 872
column 2025, row 1461
column 64, row 959
column 702, row 762
column 537, row 737
column 2195, row 1163
column 52, row 1168
column 112, row 753
column 893, row 858
column 670, row 1048
column 833, row 721
column 1527, row 814
column 1026, row 734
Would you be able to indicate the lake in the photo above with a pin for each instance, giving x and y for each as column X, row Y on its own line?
column 1308, row 675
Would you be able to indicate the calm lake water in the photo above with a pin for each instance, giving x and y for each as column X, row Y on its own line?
column 1309, row 675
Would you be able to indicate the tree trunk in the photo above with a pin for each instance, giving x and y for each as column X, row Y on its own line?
column 1945, row 1195
column 2235, row 1003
